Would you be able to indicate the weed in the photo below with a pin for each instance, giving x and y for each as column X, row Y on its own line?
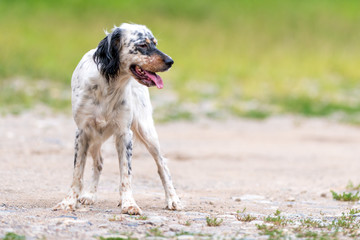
column 346, row 196
column 193, row 234
column 312, row 223
column 241, row 216
column 272, row 231
column 155, row 232
column 187, row 223
column 213, row 222
column 115, row 218
column 245, row 218
column 13, row 236
column 351, row 187
column 277, row 219
column 354, row 211
column 141, row 218
column 118, row 238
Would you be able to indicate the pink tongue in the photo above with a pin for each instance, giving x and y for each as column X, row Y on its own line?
column 155, row 78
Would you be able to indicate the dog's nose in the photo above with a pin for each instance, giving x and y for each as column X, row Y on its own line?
column 169, row 62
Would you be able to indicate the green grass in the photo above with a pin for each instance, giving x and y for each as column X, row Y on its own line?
column 156, row 232
column 347, row 197
column 249, row 58
column 13, row 236
column 351, row 187
column 241, row 216
column 345, row 226
column 141, row 218
column 213, row 221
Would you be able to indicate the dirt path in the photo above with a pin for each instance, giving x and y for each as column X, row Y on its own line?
column 218, row 168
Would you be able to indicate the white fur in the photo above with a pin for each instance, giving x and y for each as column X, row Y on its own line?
column 118, row 108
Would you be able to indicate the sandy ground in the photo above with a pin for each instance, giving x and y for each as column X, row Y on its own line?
column 218, row 168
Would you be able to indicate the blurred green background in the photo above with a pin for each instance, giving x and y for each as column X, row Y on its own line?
column 250, row 58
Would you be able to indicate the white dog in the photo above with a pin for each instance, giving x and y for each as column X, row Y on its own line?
column 106, row 101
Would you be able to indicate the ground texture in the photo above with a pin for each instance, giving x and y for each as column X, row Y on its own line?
column 218, row 168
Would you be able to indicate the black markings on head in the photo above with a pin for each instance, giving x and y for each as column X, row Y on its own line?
column 107, row 55
column 139, row 34
column 133, row 51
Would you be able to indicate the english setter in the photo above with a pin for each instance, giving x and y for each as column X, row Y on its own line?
column 106, row 101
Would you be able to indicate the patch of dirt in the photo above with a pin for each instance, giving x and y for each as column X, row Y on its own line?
column 218, row 168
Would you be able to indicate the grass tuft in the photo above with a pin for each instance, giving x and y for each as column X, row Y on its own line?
column 13, row 236
column 213, row 222
column 347, row 197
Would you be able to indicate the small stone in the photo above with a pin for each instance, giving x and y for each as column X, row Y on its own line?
column 156, row 219
column 176, row 227
column 236, row 199
column 323, row 195
column 290, row 199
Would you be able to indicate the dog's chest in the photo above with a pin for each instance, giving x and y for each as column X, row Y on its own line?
column 103, row 108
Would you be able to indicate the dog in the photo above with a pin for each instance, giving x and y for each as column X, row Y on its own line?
column 110, row 97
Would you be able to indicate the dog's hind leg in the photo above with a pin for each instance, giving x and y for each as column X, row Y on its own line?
column 124, row 148
column 143, row 126
column 89, row 197
column 81, row 148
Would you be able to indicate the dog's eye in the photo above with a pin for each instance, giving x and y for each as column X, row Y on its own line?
column 142, row 46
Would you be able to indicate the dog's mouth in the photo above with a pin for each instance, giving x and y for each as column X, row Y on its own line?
column 146, row 78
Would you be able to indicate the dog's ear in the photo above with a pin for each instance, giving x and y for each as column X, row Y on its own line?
column 107, row 55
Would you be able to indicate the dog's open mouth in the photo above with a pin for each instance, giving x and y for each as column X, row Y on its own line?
column 146, row 78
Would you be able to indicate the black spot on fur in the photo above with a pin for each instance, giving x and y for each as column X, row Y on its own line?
column 81, row 66
column 133, row 51
column 107, row 55
column 99, row 166
column 129, row 155
column 77, row 136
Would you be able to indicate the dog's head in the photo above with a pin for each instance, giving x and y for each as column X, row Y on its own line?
column 131, row 49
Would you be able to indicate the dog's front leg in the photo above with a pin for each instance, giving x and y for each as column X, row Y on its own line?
column 81, row 148
column 124, row 149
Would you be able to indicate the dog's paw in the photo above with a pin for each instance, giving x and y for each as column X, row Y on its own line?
column 87, row 198
column 174, row 204
column 131, row 208
column 68, row 204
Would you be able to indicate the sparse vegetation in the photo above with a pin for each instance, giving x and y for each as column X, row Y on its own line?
column 141, row 218
column 213, row 222
column 13, row 236
column 346, row 196
column 128, row 237
column 187, row 223
column 155, row 232
column 272, row 231
column 347, row 225
column 241, row 216
column 310, row 223
column 276, row 219
column 351, row 187
column 116, row 218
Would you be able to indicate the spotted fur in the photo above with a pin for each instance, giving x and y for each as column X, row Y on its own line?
column 108, row 101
